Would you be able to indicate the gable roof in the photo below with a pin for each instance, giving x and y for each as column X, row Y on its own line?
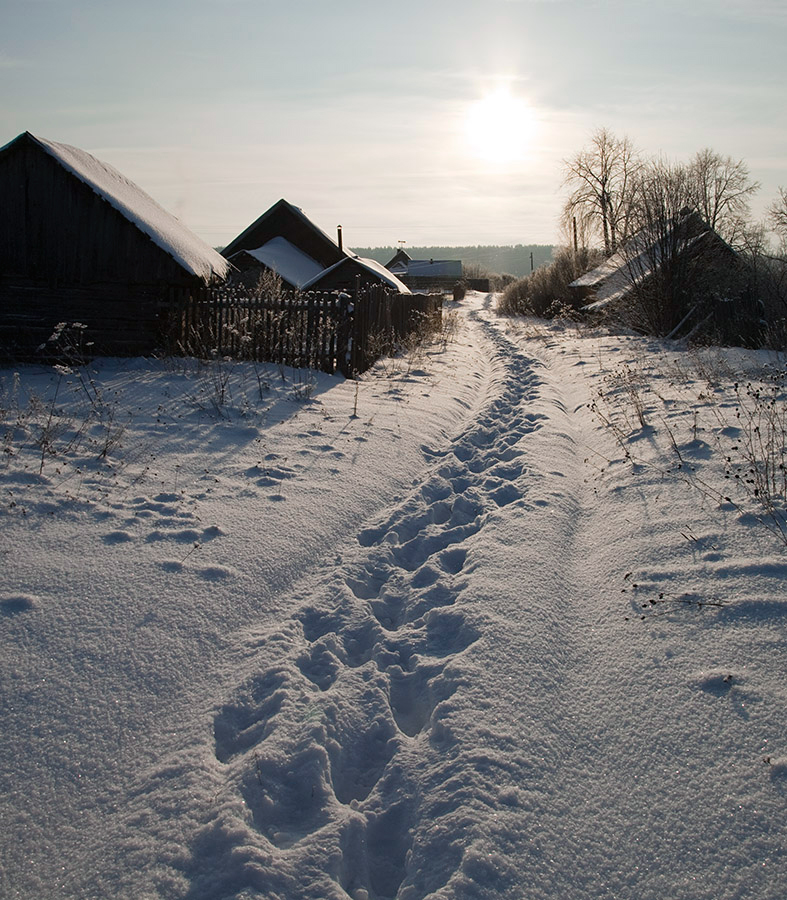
column 369, row 265
column 287, row 221
column 641, row 257
column 292, row 264
column 401, row 255
column 141, row 210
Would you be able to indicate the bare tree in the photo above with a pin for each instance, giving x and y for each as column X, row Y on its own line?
column 600, row 178
column 777, row 218
column 654, row 258
column 721, row 188
column 681, row 270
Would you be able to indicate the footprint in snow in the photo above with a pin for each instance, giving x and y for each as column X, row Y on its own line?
column 320, row 662
column 246, row 721
column 14, row 604
column 289, row 798
column 117, row 537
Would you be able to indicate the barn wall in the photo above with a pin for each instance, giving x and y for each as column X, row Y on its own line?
column 54, row 228
column 118, row 322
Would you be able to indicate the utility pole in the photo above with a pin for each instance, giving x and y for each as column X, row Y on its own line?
column 531, row 261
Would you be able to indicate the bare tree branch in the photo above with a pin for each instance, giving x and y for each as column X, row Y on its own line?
column 600, row 178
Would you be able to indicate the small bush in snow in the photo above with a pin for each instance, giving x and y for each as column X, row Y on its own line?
column 545, row 291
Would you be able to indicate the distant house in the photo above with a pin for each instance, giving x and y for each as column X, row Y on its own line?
column 425, row 273
column 79, row 242
column 285, row 241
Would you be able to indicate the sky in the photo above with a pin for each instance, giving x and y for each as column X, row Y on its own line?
column 437, row 123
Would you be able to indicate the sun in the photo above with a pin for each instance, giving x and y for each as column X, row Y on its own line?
column 499, row 128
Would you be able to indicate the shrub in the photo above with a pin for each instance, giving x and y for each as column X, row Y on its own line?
column 546, row 289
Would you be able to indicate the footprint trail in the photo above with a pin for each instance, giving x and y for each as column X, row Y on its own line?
column 330, row 744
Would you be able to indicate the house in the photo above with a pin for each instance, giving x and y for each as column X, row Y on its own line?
column 285, row 241
column 425, row 273
column 79, row 242
column 355, row 271
column 672, row 278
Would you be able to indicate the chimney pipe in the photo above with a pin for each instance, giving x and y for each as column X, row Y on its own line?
column 339, row 233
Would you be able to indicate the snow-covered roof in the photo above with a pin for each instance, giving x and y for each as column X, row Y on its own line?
column 285, row 219
column 639, row 259
column 373, row 266
column 400, row 256
column 427, row 268
column 295, row 267
column 167, row 232
column 601, row 272
column 370, row 265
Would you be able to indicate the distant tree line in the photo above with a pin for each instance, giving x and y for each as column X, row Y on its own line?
column 478, row 260
column 684, row 234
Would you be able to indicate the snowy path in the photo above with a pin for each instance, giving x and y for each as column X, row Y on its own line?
column 362, row 754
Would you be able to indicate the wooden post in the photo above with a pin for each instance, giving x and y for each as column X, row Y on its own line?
column 345, row 333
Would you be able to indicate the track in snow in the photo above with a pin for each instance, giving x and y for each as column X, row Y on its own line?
column 340, row 743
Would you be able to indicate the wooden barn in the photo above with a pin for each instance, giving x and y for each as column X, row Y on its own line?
column 642, row 258
column 79, row 242
column 285, row 241
column 677, row 278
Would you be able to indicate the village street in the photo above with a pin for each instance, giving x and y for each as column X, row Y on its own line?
column 387, row 639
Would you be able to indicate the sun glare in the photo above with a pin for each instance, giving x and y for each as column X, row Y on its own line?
column 499, row 127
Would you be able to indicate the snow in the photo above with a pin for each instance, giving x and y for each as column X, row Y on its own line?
column 294, row 266
column 371, row 265
column 161, row 227
column 497, row 620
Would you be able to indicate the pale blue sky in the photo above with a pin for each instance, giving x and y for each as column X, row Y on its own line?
column 355, row 110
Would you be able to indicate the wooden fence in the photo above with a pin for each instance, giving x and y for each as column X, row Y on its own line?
column 327, row 331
